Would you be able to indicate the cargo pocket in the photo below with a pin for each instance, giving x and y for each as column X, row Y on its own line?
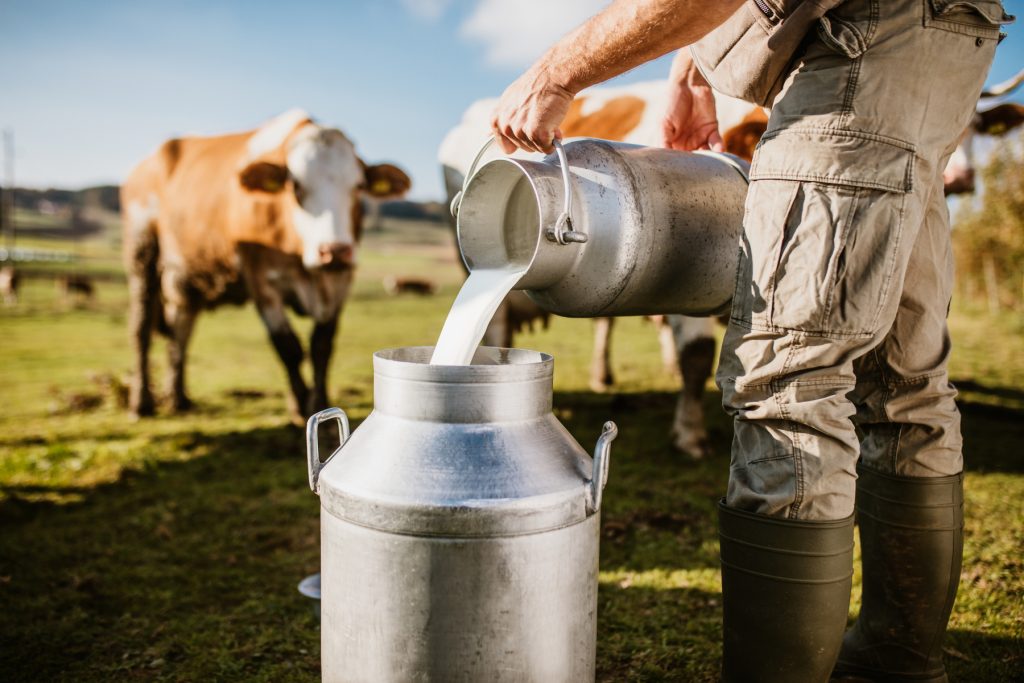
column 828, row 265
column 842, row 36
column 978, row 18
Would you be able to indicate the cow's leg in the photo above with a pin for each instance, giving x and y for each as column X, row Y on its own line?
column 289, row 350
column 321, row 346
column 143, row 304
column 667, row 345
column 696, row 358
column 601, row 377
column 499, row 330
column 180, row 317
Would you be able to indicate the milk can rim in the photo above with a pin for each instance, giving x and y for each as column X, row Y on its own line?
column 413, row 363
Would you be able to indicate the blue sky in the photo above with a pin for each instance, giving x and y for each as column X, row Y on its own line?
column 91, row 88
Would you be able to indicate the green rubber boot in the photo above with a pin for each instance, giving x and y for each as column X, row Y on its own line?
column 911, row 534
column 785, row 596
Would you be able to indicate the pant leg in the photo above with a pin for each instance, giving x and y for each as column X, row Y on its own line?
column 906, row 411
column 820, row 275
column 842, row 186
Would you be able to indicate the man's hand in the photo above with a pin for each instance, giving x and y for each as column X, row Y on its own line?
column 529, row 112
column 690, row 120
column 624, row 35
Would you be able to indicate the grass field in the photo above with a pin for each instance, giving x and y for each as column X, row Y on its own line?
column 170, row 549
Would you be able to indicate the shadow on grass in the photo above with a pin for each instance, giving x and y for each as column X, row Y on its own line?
column 992, row 437
column 659, row 505
column 991, row 658
column 186, row 570
column 1004, row 393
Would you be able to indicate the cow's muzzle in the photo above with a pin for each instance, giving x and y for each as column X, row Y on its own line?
column 337, row 255
column 958, row 182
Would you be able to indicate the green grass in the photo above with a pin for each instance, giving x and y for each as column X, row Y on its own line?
column 169, row 549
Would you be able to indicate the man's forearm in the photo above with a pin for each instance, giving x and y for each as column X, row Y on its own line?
column 628, row 33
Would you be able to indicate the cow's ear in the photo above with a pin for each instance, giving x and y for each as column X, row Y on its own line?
column 385, row 181
column 742, row 139
column 1000, row 120
column 263, row 176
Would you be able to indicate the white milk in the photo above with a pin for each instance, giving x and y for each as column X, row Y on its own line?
column 479, row 298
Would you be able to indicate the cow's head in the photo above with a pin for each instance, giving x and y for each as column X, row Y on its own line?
column 958, row 176
column 321, row 176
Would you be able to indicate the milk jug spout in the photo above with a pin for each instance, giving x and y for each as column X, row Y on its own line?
column 607, row 228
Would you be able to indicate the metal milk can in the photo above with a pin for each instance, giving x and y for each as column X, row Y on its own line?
column 459, row 527
column 611, row 229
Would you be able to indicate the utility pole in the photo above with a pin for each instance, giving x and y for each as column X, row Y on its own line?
column 8, row 196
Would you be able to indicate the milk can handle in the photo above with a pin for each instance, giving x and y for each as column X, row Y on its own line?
column 457, row 199
column 562, row 233
column 599, row 475
column 313, row 447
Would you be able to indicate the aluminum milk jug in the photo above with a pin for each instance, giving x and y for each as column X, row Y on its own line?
column 608, row 228
column 459, row 527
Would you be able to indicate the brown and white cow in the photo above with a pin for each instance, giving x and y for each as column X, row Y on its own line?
column 989, row 119
column 634, row 114
column 271, row 215
column 10, row 279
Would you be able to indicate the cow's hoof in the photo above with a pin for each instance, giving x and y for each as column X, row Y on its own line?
column 602, row 384
column 697, row 447
column 182, row 404
column 315, row 404
column 141, row 412
column 143, row 406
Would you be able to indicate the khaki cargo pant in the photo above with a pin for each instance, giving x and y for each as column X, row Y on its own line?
column 845, row 277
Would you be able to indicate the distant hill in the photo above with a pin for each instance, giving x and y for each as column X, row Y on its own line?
column 106, row 197
column 93, row 212
column 101, row 197
column 421, row 211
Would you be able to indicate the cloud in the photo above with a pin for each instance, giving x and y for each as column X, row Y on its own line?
column 428, row 10
column 514, row 34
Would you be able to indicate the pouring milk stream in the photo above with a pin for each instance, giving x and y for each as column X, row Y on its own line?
column 472, row 311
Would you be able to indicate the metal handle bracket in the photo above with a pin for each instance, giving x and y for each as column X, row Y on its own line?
column 313, row 446
column 562, row 232
column 599, row 474
column 457, row 199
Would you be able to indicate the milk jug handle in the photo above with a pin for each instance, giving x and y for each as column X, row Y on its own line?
column 599, row 474
column 457, row 199
column 562, row 233
column 313, row 446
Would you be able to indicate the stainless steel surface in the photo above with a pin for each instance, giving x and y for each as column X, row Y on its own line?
column 599, row 475
column 459, row 528
column 662, row 228
column 310, row 588
column 457, row 199
column 313, row 444
column 563, row 233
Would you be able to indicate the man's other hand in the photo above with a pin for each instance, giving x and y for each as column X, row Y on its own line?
column 529, row 113
column 690, row 121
